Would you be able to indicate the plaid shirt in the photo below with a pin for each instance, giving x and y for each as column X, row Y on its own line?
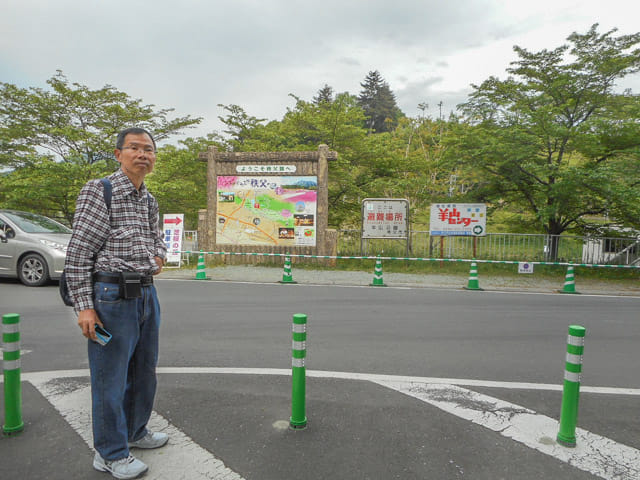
column 124, row 241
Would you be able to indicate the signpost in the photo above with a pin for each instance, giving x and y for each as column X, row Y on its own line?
column 385, row 218
column 173, row 228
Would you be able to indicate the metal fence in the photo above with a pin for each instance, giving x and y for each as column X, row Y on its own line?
column 493, row 246
column 499, row 246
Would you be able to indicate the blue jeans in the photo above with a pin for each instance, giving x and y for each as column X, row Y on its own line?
column 123, row 372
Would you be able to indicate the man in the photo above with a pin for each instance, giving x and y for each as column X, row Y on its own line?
column 111, row 258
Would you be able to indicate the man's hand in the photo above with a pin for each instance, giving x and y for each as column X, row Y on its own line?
column 86, row 321
column 160, row 263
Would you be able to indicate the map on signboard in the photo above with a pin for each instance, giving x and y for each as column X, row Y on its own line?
column 267, row 210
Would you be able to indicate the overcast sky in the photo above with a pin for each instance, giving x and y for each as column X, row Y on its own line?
column 195, row 54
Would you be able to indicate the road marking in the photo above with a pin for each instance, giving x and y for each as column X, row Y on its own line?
column 371, row 377
column 595, row 454
column 181, row 458
column 471, row 382
column 409, row 286
column 582, row 295
column 249, row 282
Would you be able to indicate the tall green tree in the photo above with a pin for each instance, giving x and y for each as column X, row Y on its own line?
column 379, row 104
column 53, row 140
column 554, row 137
column 324, row 95
column 240, row 125
column 73, row 123
column 48, row 187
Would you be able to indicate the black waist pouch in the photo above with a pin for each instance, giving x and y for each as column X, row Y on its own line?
column 130, row 285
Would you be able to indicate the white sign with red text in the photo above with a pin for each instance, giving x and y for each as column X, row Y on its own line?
column 458, row 219
column 173, row 228
column 385, row 218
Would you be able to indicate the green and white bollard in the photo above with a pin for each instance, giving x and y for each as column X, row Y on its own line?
column 571, row 392
column 11, row 365
column 298, row 418
column 201, row 272
column 473, row 278
column 287, row 277
column 377, row 274
column 569, row 282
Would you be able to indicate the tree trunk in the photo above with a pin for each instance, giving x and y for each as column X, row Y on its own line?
column 554, row 230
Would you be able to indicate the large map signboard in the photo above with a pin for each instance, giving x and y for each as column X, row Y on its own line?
column 266, row 210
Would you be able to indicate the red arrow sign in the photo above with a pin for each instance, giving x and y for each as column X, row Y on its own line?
column 176, row 220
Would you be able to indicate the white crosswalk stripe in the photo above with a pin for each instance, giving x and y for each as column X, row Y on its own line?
column 180, row 459
column 593, row 453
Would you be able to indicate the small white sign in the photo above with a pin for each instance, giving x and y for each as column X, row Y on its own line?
column 525, row 267
column 173, row 229
column 265, row 168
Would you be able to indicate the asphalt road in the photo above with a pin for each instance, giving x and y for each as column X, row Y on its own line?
column 398, row 331
column 360, row 430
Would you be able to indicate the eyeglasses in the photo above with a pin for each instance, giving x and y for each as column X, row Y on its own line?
column 138, row 148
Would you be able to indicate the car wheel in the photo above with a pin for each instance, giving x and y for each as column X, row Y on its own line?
column 33, row 270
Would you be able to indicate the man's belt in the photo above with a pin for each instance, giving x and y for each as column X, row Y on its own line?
column 145, row 280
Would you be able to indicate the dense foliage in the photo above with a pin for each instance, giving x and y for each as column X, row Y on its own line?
column 554, row 140
column 53, row 141
column 552, row 148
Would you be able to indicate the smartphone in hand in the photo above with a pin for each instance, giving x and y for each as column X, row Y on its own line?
column 102, row 336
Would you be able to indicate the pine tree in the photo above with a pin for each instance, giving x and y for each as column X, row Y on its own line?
column 325, row 95
column 379, row 104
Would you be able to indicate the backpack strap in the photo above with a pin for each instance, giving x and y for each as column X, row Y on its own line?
column 64, row 289
column 106, row 183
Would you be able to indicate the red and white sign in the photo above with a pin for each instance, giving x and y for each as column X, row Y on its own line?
column 173, row 229
column 385, row 218
column 458, row 219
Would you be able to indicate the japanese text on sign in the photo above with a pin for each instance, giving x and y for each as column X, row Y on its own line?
column 173, row 228
column 265, row 168
column 458, row 219
column 385, row 218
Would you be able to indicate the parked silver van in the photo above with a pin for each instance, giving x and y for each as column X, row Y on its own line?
column 32, row 247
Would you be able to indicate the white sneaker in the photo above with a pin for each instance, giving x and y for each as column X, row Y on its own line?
column 151, row 440
column 128, row 467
